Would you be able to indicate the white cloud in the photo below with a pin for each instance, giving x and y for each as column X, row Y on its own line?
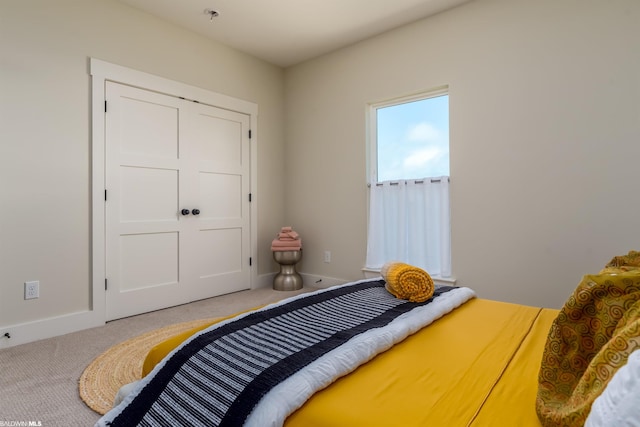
column 419, row 158
column 424, row 132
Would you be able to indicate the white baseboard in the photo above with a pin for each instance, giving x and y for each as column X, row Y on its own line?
column 47, row 328
column 73, row 322
column 321, row 281
column 266, row 280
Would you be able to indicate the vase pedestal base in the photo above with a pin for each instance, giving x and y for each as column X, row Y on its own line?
column 288, row 278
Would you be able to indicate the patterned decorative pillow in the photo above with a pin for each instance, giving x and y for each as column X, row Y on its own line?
column 590, row 340
column 626, row 262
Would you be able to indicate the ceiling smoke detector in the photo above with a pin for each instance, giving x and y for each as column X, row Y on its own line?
column 212, row 13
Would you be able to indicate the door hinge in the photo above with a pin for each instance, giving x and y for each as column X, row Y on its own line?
column 105, row 284
column 249, row 197
column 249, row 133
column 250, row 261
column 105, row 105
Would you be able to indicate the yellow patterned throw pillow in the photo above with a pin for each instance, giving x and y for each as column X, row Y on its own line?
column 405, row 281
column 629, row 261
column 592, row 337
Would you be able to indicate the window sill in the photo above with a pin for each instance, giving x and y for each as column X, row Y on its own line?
column 370, row 273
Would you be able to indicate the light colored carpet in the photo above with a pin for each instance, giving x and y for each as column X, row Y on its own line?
column 39, row 380
column 122, row 364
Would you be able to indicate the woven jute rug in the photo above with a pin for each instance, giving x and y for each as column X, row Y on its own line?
column 122, row 364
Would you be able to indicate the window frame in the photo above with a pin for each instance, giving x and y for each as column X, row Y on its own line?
column 372, row 131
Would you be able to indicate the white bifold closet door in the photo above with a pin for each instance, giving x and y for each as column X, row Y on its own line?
column 177, row 207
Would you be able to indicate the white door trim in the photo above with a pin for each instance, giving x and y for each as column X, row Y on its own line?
column 102, row 72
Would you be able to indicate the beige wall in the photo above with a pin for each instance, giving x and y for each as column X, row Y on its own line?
column 45, row 135
column 545, row 119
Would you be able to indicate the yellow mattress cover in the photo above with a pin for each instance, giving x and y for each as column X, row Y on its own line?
column 476, row 366
column 512, row 401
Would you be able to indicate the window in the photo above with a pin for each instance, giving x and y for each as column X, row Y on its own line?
column 411, row 138
column 409, row 183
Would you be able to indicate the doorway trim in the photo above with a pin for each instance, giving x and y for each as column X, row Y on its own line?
column 101, row 72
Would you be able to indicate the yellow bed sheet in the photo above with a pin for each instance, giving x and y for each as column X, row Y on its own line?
column 442, row 375
column 512, row 401
column 476, row 366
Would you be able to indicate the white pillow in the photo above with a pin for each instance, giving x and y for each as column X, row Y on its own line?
column 124, row 392
column 619, row 403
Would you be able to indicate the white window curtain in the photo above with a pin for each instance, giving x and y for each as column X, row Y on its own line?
column 409, row 222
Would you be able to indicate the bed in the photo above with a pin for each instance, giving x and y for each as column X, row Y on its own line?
column 476, row 363
column 486, row 352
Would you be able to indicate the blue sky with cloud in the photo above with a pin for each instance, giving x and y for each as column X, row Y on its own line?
column 413, row 139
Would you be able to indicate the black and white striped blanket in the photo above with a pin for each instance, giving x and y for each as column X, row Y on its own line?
column 259, row 367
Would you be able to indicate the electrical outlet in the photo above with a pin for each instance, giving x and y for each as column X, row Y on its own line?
column 327, row 256
column 32, row 289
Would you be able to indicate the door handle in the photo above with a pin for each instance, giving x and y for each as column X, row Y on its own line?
column 184, row 211
column 196, row 211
